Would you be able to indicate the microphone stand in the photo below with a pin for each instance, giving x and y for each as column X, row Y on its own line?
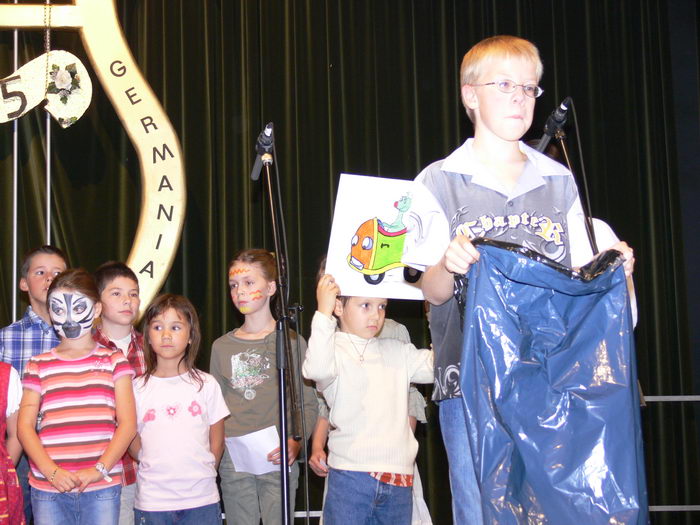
column 265, row 148
column 554, row 128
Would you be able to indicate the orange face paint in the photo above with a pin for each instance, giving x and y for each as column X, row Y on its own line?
column 237, row 271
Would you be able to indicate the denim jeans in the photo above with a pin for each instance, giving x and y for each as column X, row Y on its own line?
column 23, row 476
column 204, row 515
column 466, row 497
column 98, row 507
column 358, row 498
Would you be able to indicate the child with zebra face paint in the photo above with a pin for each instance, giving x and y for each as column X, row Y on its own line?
column 72, row 313
column 77, row 393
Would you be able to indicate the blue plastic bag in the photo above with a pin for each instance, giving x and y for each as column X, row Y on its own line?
column 549, row 384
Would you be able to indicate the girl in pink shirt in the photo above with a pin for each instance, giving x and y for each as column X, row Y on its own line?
column 180, row 417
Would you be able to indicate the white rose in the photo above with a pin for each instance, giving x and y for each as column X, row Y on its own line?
column 63, row 79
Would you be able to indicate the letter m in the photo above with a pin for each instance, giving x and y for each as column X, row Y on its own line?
column 161, row 153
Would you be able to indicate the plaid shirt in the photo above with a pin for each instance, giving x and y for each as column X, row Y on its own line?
column 24, row 339
column 138, row 363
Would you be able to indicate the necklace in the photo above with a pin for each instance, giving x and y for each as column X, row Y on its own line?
column 361, row 354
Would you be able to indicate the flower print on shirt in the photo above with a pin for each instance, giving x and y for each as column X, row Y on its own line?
column 171, row 410
column 195, row 409
column 150, row 415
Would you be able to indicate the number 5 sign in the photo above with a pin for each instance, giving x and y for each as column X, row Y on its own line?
column 163, row 198
column 67, row 88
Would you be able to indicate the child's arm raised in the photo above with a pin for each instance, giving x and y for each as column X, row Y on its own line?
column 438, row 280
column 327, row 292
column 123, row 435
column 319, row 364
column 61, row 479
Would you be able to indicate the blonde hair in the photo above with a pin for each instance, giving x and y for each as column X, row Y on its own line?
column 501, row 47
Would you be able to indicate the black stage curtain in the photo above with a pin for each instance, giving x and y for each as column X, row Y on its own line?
column 369, row 87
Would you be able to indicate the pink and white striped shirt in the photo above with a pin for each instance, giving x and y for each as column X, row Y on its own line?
column 77, row 414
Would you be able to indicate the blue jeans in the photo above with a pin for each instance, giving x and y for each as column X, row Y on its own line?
column 358, row 498
column 466, row 497
column 98, row 507
column 205, row 515
column 23, row 476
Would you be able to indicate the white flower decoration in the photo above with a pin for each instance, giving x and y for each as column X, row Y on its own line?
column 63, row 79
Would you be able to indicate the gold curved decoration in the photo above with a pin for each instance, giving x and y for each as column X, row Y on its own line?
column 163, row 196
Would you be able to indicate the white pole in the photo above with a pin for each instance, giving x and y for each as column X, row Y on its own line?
column 47, row 37
column 15, row 182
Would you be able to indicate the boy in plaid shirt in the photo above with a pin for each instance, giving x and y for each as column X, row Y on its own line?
column 32, row 334
column 119, row 294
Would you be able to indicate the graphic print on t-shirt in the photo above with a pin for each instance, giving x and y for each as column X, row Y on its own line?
column 248, row 371
column 541, row 233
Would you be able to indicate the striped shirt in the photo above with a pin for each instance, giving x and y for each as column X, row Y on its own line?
column 77, row 414
column 26, row 338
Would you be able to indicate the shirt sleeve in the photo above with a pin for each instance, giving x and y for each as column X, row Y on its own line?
column 14, row 393
column 319, row 364
column 402, row 333
column 216, row 406
column 120, row 366
column 429, row 234
column 420, row 365
column 31, row 379
column 3, row 357
column 215, row 367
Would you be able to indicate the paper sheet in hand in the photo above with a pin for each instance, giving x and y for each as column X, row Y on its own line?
column 249, row 452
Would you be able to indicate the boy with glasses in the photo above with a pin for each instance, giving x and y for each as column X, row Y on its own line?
column 492, row 186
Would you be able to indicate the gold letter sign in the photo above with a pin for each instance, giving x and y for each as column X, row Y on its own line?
column 163, row 197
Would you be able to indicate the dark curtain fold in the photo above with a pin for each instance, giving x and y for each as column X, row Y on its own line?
column 372, row 88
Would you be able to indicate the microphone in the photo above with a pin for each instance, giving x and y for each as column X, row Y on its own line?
column 554, row 123
column 265, row 140
column 264, row 147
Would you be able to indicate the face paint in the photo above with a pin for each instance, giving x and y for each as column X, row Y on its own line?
column 255, row 295
column 250, row 290
column 72, row 313
column 238, row 270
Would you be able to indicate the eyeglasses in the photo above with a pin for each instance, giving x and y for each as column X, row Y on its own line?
column 508, row 86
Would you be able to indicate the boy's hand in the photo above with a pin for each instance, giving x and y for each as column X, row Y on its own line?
column 317, row 462
column 628, row 254
column 460, row 255
column 326, row 293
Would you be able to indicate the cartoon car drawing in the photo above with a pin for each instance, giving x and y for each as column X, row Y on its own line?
column 377, row 247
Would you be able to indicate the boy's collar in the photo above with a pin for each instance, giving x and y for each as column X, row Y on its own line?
column 462, row 161
column 538, row 166
column 34, row 314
